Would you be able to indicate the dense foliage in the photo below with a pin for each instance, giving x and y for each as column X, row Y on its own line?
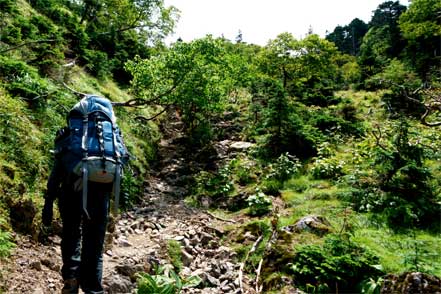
column 334, row 126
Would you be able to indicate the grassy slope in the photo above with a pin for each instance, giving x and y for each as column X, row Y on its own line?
column 28, row 133
column 302, row 195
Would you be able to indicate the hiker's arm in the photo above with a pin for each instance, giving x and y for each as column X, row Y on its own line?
column 54, row 182
column 53, row 190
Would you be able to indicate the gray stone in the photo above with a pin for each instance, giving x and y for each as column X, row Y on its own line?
column 312, row 223
column 187, row 258
column 212, row 280
column 241, row 146
column 117, row 284
column 129, row 270
column 36, row 265
column 124, row 243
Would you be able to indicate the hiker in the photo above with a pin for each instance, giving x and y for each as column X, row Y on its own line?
column 88, row 158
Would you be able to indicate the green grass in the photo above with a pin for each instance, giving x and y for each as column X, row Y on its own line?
column 317, row 197
column 174, row 254
column 398, row 252
column 413, row 251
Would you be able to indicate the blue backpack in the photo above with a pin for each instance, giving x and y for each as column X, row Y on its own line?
column 91, row 146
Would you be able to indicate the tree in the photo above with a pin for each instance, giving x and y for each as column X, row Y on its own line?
column 348, row 38
column 279, row 121
column 421, row 27
column 306, row 68
column 194, row 77
column 383, row 41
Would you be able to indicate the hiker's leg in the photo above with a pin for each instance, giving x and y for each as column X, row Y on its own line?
column 70, row 211
column 94, row 230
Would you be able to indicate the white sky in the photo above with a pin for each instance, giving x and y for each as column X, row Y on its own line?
column 262, row 20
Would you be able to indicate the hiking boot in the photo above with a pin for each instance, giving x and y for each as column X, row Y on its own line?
column 71, row 286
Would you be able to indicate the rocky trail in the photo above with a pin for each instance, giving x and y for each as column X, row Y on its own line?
column 139, row 238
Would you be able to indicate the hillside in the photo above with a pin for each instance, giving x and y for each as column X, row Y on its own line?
column 307, row 165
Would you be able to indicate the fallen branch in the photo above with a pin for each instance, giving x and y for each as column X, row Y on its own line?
column 242, row 265
column 220, row 218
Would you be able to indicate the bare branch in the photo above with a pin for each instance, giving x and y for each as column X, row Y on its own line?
column 137, row 102
column 79, row 94
column 378, row 138
column 274, row 234
column 155, row 116
column 25, row 44
column 242, row 265
column 220, row 218
column 431, row 106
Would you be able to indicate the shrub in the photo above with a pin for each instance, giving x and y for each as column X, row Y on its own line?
column 11, row 34
column 285, row 167
column 214, row 185
column 97, row 63
column 7, row 6
column 5, row 241
column 399, row 184
column 397, row 77
column 21, row 80
column 338, row 266
column 327, row 168
column 174, row 253
column 272, row 187
column 258, row 203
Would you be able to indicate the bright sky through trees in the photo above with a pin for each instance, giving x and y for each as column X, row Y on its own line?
column 262, row 20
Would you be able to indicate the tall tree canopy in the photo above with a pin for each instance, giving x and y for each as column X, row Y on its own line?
column 348, row 38
column 307, row 68
column 195, row 77
column 421, row 26
column 383, row 41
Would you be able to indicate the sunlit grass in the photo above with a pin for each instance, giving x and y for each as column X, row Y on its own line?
column 415, row 251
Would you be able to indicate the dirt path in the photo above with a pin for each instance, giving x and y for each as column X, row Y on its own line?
column 140, row 241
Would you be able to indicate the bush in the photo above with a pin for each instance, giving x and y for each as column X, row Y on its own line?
column 215, row 185
column 11, row 34
column 399, row 184
column 97, row 63
column 397, row 78
column 174, row 254
column 7, row 6
column 285, row 167
column 259, row 204
column 338, row 266
column 327, row 168
column 21, row 80
column 5, row 241
column 325, row 165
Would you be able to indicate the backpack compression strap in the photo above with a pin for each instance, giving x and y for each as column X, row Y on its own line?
column 85, row 173
column 117, row 182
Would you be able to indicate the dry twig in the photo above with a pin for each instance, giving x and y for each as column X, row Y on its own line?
column 220, row 218
column 242, row 265
column 274, row 234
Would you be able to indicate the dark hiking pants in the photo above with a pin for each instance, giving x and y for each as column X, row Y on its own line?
column 83, row 238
